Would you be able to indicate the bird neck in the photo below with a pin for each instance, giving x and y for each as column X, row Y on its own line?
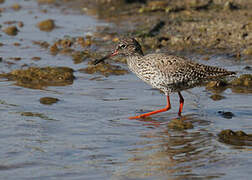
column 135, row 57
column 134, row 60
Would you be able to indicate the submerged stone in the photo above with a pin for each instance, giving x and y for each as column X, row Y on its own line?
column 235, row 138
column 227, row 115
column 48, row 100
column 46, row 25
column 36, row 58
column 179, row 124
column 11, row 30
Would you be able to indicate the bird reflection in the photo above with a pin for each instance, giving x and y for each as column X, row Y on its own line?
column 172, row 153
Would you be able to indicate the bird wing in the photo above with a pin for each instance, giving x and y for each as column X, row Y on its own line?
column 179, row 70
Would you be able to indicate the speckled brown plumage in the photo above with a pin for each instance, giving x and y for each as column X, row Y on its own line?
column 166, row 72
column 172, row 73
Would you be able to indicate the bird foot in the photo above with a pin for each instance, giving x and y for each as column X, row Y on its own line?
column 137, row 117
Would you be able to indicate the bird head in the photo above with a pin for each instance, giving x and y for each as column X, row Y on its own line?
column 125, row 47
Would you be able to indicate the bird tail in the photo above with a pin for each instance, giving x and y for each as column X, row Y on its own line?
column 214, row 72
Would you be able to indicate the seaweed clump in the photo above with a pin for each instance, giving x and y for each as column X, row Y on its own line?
column 104, row 69
column 239, row 138
column 36, row 77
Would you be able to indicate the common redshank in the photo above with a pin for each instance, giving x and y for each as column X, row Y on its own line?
column 167, row 73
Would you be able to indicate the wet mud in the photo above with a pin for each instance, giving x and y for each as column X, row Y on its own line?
column 182, row 25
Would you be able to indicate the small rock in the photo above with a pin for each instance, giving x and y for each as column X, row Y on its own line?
column 247, row 68
column 227, row 115
column 46, row 25
column 48, row 100
column 36, row 58
column 217, row 97
column 16, row 7
column 235, row 138
column 16, row 44
column 11, row 30
column 16, row 58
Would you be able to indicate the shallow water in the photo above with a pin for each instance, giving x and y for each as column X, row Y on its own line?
column 87, row 134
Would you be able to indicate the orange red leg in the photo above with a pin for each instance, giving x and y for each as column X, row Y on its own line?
column 181, row 101
column 167, row 107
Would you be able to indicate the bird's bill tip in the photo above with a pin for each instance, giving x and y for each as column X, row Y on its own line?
column 114, row 53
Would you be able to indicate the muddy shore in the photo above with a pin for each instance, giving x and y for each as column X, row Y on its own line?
column 205, row 27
